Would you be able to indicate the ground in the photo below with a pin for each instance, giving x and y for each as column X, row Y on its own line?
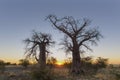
column 60, row 73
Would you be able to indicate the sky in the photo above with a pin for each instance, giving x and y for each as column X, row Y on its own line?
column 19, row 17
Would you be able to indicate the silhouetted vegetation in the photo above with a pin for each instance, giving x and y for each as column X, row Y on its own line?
column 37, row 46
column 101, row 62
column 51, row 62
column 77, row 37
column 24, row 62
column 42, row 74
column 77, row 40
column 88, row 65
column 68, row 63
column 2, row 66
column 8, row 63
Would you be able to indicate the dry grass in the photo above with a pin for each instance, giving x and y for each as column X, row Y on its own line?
column 60, row 73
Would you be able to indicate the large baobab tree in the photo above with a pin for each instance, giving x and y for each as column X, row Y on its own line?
column 78, row 37
column 37, row 46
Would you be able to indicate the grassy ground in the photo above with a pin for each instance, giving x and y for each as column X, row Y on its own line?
column 60, row 73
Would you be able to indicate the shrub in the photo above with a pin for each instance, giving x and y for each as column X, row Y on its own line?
column 24, row 63
column 86, row 62
column 2, row 66
column 51, row 62
column 8, row 63
column 68, row 63
column 87, row 66
column 42, row 74
column 101, row 63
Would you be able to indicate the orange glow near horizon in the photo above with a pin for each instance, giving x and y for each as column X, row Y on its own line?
column 59, row 63
column 10, row 60
column 114, row 61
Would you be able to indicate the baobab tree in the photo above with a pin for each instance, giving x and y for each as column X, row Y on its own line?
column 37, row 46
column 78, row 37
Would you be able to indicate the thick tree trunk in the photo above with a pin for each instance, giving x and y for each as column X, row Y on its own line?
column 76, row 62
column 42, row 56
column 76, row 59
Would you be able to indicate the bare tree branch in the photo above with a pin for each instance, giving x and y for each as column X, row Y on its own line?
column 37, row 45
column 78, row 35
column 54, row 21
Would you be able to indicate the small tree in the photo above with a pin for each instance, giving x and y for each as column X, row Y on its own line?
column 101, row 62
column 2, row 66
column 24, row 62
column 51, row 61
column 87, row 65
column 86, row 62
column 8, row 63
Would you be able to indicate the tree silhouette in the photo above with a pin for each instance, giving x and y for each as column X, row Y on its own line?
column 101, row 62
column 51, row 61
column 2, row 66
column 78, row 37
column 37, row 46
column 24, row 63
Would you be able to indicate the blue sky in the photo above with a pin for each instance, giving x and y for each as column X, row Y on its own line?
column 19, row 17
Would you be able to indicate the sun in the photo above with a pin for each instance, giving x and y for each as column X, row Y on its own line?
column 59, row 63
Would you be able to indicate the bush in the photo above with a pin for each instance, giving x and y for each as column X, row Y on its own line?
column 42, row 74
column 51, row 62
column 68, row 63
column 87, row 66
column 101, row 63
column 86, row 62
column 24, row 63
column 2, row 66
